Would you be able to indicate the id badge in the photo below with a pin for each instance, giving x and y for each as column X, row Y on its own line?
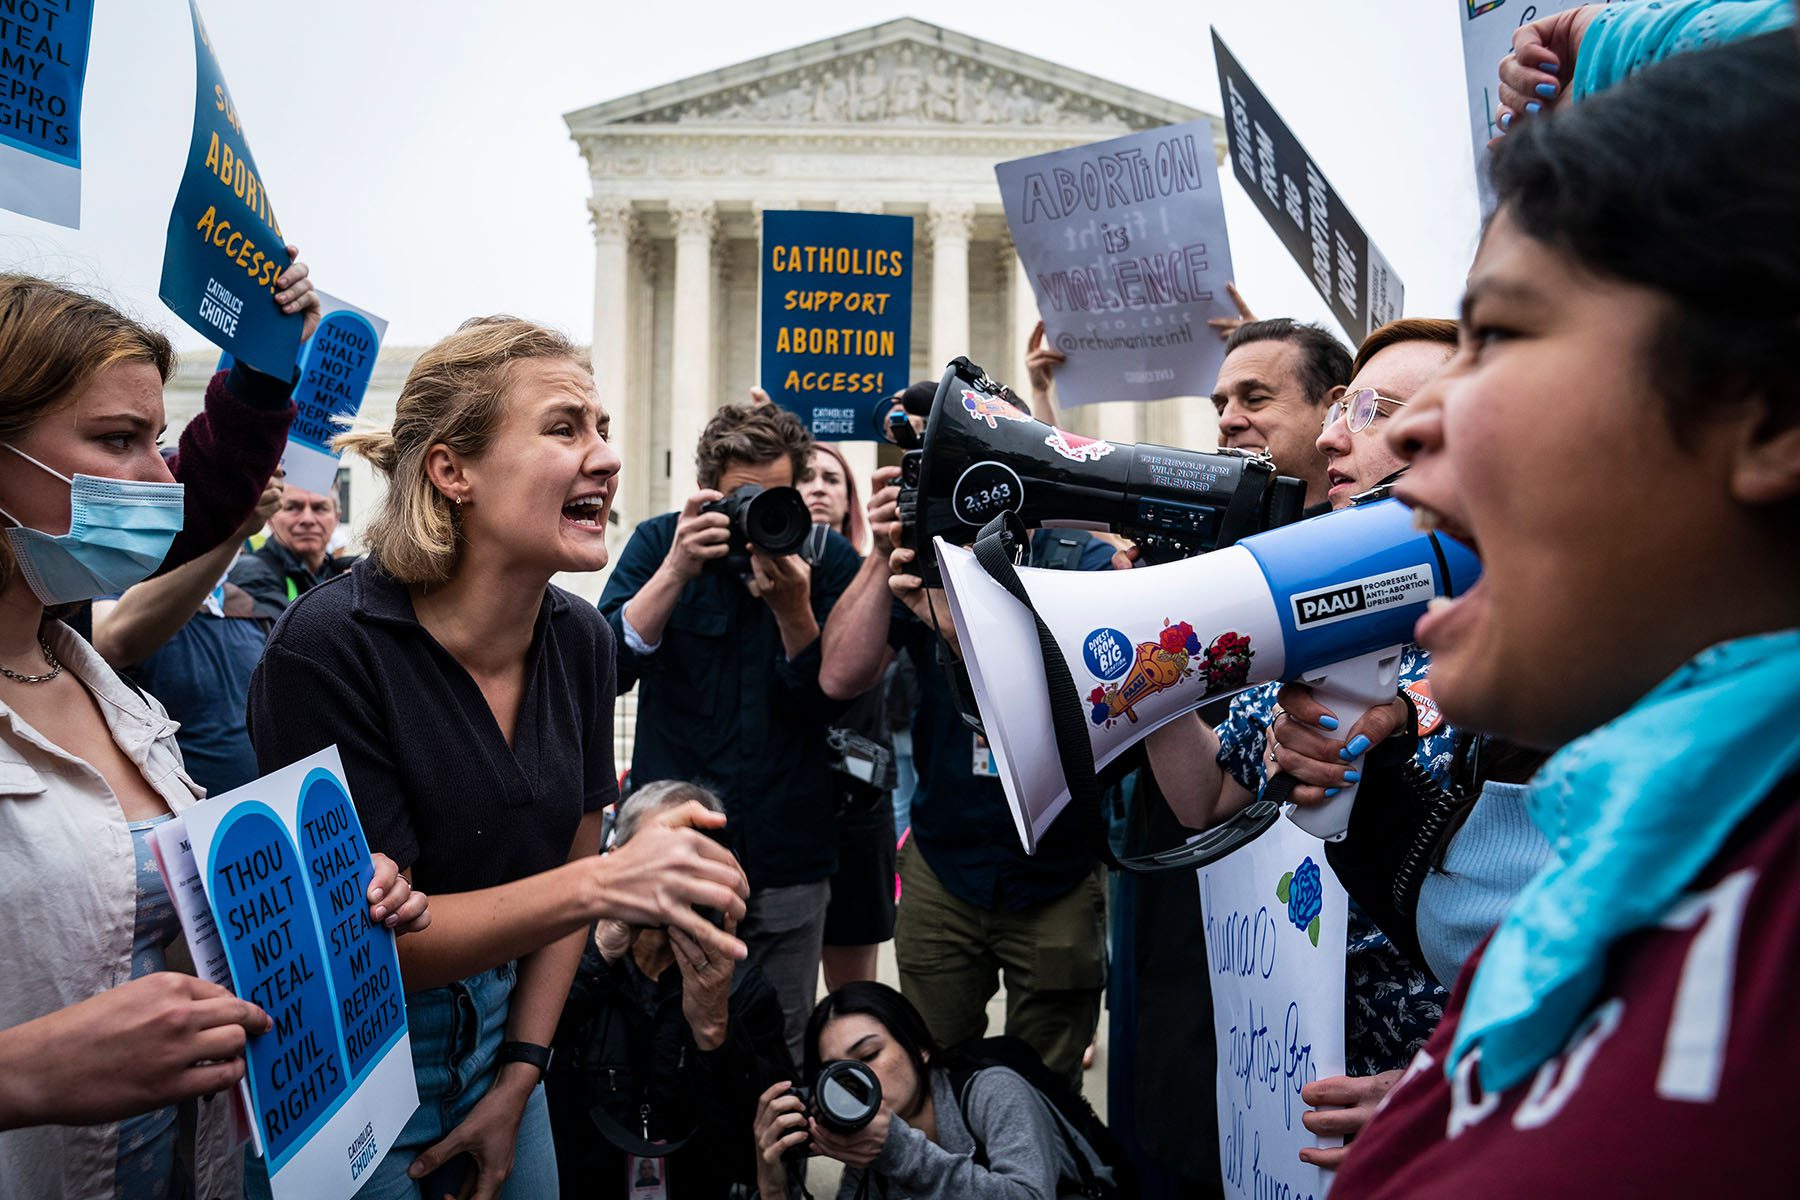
column 646, row 1178
column 983, row 764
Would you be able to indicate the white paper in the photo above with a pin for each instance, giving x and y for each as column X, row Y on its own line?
column 1278, row 1005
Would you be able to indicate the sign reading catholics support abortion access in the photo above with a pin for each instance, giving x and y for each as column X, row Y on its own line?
column 1124, row 242
column 225, row 249
column 836, row 316
column 285, row 871
column 335, row 366
column 1303, row 208
column 1275, row 943
column 43, row 67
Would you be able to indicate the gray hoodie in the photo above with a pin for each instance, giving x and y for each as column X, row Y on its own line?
column 1021, row 1134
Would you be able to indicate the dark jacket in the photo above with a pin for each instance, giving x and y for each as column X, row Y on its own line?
column 274, row 576
column 721, row 704
column 225, row 457
column 625, row 1063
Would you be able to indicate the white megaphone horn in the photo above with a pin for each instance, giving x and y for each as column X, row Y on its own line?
column 1328, row 601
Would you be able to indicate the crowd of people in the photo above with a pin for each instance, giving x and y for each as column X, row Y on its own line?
column 1572, row 862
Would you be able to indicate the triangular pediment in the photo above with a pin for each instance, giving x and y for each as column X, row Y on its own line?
column 897, row 74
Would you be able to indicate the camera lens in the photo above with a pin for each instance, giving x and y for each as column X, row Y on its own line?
column 777, row 520
column 848, row 1095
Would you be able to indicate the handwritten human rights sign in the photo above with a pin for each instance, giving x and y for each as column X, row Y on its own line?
column 225, row 248
column 335, row 366
column 43, row 66
column 1303, row 208
column 1124, row 242
column 1487, row 33
column 1275, row 942
column 836, row 315
column 285, row 869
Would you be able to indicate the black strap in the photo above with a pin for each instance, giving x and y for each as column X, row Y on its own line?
column 996, row 550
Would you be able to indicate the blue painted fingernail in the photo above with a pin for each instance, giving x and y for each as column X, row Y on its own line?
column 1533, row 106
column 1548, row 68
column 1358, row 745
column 1328, row 722
column 1505, row 120
column 1330, row 792
column 1352, row 776
column 1546, row 90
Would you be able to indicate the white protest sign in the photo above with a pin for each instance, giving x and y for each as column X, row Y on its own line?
column 1487, row 34
column 1124, row 242
column 336, row 364
column 286, row 870
column 1275, row 942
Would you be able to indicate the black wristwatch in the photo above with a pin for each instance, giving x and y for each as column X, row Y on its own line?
column 525, row 1052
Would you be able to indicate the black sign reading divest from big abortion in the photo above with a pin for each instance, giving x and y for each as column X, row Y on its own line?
column 836, row 316
column 1303, row 208
column 225, row 248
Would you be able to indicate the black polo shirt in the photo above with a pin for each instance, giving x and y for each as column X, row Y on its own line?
column 721, row 704
column 435, row 784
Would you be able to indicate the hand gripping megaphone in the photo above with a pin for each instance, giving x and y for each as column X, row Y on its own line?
column 984, row 455
column 1328, row 601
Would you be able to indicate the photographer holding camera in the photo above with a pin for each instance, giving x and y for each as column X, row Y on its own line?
column 721, row 636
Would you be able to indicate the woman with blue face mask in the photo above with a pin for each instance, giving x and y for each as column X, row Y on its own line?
column 90, row 1078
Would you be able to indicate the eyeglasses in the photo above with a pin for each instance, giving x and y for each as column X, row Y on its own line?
column 1362, row 406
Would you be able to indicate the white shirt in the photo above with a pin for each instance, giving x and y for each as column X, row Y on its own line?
column 68, row 909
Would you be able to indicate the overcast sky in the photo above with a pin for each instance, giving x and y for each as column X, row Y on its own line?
column 416, row 151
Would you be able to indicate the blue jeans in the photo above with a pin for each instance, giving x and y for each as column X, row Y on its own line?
column 456, row 1031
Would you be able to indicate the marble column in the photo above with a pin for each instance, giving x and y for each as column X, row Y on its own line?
column 949, row 227
column 691, row 400
column 614, row 226
column 1024, row 316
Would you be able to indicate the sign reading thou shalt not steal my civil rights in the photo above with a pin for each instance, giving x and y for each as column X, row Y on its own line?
column 1303, row 208
column 836, row 316
column 286, row 872
column 225, row 249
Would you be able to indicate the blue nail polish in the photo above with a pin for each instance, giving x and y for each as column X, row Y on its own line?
column 1548, row 68
column 1330, row 792
column 1352, row 776
column 1546, row 90
column 1533, row 107
column 1328, row 722
column 1359, row 745
column 1505, row 120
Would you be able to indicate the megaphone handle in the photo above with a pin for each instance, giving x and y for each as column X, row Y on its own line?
column 1349, row 689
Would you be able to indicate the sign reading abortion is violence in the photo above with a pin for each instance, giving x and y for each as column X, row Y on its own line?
column 225, row 249
column 1303, row 208
column 1124, row 241
column 43, row 65
column 836, row 316
column 1275, row 945
column 335, row 366
column 285, row 871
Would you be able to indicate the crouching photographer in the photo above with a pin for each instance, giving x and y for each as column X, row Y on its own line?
column 661, row 1052
column 909, row 1121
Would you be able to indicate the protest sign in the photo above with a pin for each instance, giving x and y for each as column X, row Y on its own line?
column 836, row 316
column 1303, row 208
column 285, row 869
column 43, row 65
column 1275, row 943
column 335, row 366
column 1487, row 33
column 225, row 249
column 1124, row 243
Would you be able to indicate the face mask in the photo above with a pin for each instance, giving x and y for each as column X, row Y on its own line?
column 119, row 532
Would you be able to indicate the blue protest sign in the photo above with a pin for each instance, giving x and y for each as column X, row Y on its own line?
column 836, row 316
column 335, row 366
column 225, row 249
column 1303, row 209
column 285, row 868
column 43, row 65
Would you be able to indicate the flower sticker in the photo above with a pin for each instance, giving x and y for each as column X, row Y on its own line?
column 1304, row 896
column 1228, row 662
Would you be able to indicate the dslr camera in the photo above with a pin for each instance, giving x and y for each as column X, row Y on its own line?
column 775, row 520
column 844, row 1098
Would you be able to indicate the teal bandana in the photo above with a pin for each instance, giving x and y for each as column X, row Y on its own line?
column 1634, row 811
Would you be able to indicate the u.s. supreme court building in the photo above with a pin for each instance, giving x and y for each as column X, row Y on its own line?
column 904, row 117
